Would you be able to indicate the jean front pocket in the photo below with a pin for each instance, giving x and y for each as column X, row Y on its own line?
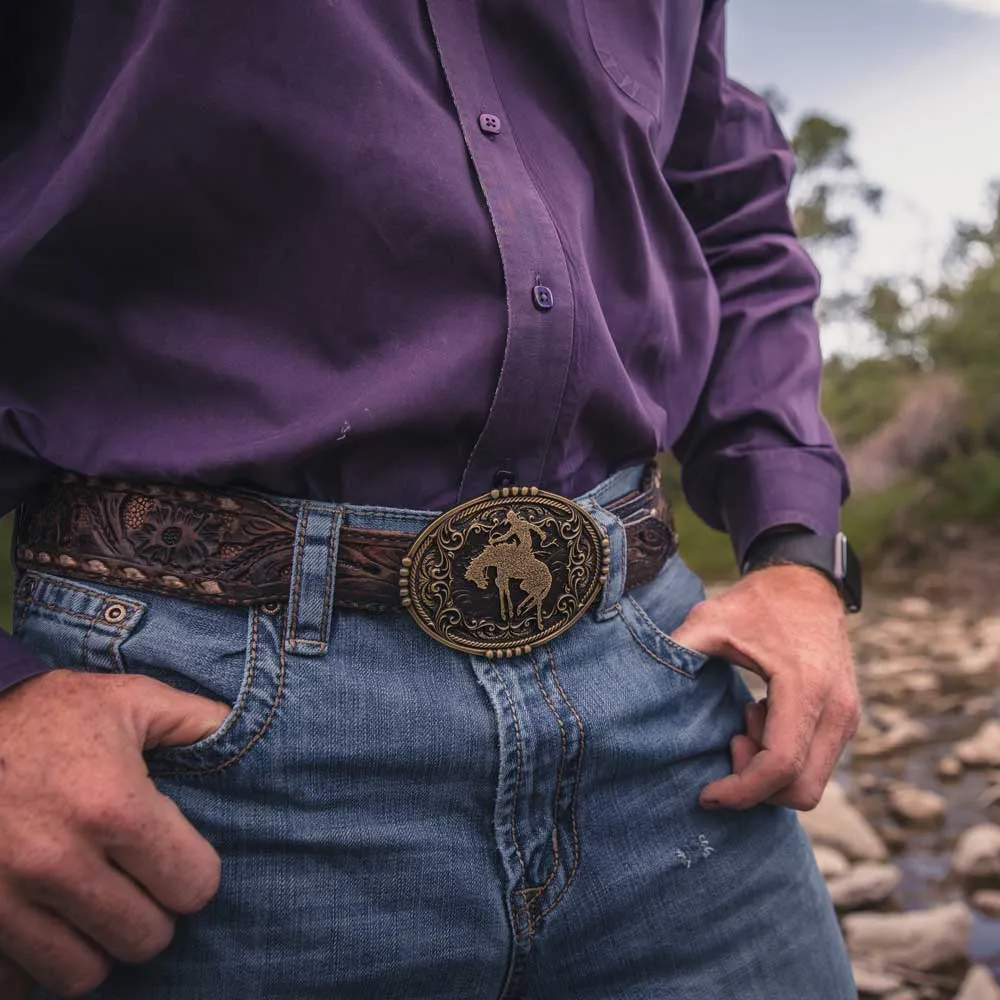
column 233, row 655
column 651, row 612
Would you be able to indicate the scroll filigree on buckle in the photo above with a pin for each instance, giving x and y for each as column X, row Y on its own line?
column 504, row 573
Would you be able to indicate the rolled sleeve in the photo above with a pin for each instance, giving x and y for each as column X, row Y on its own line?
column 757, row 452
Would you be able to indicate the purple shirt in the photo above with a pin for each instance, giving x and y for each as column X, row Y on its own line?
column 374, row 252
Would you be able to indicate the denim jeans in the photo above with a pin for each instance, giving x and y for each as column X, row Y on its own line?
column 399, row 820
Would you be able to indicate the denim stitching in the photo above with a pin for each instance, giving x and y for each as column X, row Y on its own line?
column 517, row 772
column 538, row 890
column 327, row 611
column 576, row 787
column 90, row 619
column 257, row 736
column 54, row 580
column 655, row 656
column 293, row 611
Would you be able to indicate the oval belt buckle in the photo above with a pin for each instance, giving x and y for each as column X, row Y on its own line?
column 505, row 572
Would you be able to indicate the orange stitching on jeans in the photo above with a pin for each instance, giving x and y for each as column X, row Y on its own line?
column 91, row 619
column 236, row 713
column 659, row 659
column 572, row 807
column 537, row 890
column 55, row 580
column 517, row 771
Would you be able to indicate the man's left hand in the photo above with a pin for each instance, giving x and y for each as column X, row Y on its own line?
column 787, row 624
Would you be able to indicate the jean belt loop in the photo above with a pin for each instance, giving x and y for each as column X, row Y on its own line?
column 614, row 588
column 314, row 571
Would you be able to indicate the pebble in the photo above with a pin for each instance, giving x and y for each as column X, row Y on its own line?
column 830, row 861
column 916, row 805
column 977, row 853
column 922, row 940
column 987, row 901
column 983, row 749
column 979, row 984
column 866, row 884
column 949, row 768
column 836, row 823
column 873, row 981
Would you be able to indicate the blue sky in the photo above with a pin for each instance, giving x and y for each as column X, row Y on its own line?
column 919, row 83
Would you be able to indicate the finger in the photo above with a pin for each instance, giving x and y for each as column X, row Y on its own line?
column 15, row 983
column 166, row 717
column 828, row 743
column 107, row 907
column 742, row 749
column 166, row 855
column 788, row 730
column 755, row 714
column 50, row 952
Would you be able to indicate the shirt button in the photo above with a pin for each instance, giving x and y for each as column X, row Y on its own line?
column 543, row 297
column 489, row 124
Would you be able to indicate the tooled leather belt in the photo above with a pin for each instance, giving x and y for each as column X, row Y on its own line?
column 236, row 548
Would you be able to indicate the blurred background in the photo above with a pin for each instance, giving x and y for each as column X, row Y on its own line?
column 893, row 107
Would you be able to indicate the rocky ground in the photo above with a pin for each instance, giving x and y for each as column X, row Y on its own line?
column 908, row 837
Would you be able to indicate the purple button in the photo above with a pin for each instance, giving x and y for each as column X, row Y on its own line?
column 489, row 124
column 543, row 297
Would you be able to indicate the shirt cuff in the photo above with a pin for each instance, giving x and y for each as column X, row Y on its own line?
column 765, row 489
column 17, row 662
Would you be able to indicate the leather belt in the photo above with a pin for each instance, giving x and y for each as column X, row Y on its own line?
column 235, row 547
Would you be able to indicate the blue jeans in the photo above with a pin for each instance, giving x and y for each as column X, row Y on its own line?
column 399, row 820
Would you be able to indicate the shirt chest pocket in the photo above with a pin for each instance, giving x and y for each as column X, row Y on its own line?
column 640, row 44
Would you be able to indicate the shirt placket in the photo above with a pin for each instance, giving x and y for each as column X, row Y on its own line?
column 531, row 386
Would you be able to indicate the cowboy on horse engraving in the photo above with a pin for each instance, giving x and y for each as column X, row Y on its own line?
column 512, row 556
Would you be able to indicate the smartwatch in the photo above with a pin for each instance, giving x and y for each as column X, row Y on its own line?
column 833, row 557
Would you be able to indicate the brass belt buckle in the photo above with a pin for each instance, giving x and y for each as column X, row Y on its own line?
column 505, row 572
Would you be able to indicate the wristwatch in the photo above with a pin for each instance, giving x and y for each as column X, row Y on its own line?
column 833, row 557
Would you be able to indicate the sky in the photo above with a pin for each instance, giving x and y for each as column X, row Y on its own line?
column 918, row 81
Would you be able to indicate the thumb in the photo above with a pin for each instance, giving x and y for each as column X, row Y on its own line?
column 704, row 631
column 166, row 717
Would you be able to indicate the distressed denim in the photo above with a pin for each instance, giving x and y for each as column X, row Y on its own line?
column 399, row 820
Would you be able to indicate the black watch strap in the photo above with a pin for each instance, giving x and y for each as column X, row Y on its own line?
column 831, row 556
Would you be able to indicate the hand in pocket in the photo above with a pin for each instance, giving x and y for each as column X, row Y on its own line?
column 95, row 863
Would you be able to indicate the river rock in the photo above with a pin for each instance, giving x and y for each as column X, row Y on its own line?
column 979, row 984
column 830, row 862
column 949, row 768
column 915, row 607
column 977, row 663
column 836, row 823
column 987, row 901
column 894, row 729
column 866, row 884
column 977, row 853
column 983, row 749
column 873, row 981
column 923, row 940
column 916, row 805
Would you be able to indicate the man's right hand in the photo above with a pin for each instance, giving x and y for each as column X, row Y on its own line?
column 95, row 863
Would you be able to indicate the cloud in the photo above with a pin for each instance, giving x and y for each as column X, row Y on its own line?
column 991, row 8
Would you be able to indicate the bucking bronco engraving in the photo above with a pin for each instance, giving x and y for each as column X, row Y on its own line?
column 512, row 556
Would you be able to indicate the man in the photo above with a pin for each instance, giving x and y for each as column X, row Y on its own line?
column 311, row 301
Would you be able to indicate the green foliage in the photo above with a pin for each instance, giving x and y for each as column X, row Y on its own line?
column 857, row 399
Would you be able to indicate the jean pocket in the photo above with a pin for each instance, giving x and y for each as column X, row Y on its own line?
column 233, row 655
column 651, row 612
